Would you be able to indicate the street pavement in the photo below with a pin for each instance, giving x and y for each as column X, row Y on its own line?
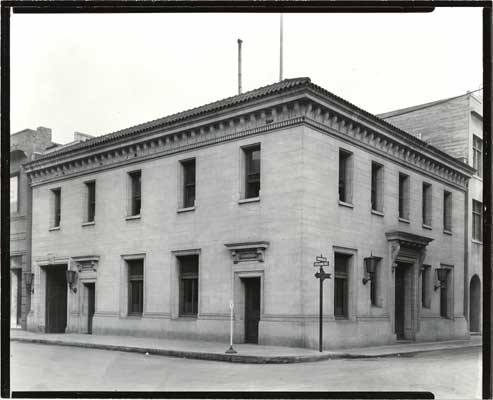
column 455, row 373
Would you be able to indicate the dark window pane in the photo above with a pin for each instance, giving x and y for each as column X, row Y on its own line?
column 252, row 172
column 403, row 196
column 91, row 201
column 443, row 302
column 57, row 206
column 344, row 176
column 341, row 285
column 189, row 284
column 188, row 183
column 447, row 211
column 136, row 182
column 135, row 286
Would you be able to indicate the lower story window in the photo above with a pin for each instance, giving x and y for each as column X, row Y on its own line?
column 189, row 285
column 445, row 298
column 341, row 286
column 135, row 287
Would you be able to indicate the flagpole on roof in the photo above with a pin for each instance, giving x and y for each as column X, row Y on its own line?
column 280, row 51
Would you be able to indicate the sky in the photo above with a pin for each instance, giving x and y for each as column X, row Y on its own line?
column 98, row 73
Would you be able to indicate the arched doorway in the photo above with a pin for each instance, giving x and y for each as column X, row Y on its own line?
column 475, row 304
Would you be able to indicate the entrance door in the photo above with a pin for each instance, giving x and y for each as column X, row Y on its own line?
column 56, row 299
column 475, row 304
column 399, row 301
column 252, row 309
column 90, row 305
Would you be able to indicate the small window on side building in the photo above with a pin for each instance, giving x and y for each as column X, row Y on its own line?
column 376, row 187
column 477, row 220
column 404, row 196
column 345, row 176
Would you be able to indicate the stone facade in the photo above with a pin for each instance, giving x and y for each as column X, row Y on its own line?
column 24, row 146
column 271, row 239
column 450, row 125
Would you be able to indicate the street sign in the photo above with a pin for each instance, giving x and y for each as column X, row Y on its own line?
column 321, row 264
column 321, row 258
column 322, row 275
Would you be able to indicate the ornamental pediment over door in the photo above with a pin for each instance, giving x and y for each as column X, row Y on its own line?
column 406, row 246
column 247, row 251
column 86, row 263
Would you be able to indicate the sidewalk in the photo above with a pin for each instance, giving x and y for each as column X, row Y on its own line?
column 246, row 353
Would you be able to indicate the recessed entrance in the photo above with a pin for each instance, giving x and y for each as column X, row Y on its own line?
column 56, row 299
column 252, row 308
column 475, row 304
column 91, row 297
column 402, row 299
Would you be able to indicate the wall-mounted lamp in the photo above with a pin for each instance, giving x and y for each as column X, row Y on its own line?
column 29, row 280
column 71, row 278
column 442, row 277
column 370, row 266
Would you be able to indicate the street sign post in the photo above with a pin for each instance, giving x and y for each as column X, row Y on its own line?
column 320, row 262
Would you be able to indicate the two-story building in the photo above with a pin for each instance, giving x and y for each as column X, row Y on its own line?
column 24, row 145
column 154, row 229
column 455, row 125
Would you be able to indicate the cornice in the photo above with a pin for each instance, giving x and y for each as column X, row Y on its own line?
column 303, row 109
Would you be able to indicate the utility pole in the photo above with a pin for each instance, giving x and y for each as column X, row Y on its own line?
column 239, row 65
column 280, row 53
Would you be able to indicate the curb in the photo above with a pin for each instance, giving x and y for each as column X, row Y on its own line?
column 233, row 358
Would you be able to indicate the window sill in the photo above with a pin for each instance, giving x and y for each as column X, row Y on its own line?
column 446, row 232
column 405, row 220
column 89, row 223
column 477, row 241
column 342, row 319
column 186, row 209
column 344, row 204
column 425, row 226
column 250, row 200
column 379, row 213
column 187, row 317
column 133, row 316
column 132, row 217
column 55, row 228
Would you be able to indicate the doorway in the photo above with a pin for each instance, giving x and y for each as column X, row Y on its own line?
column 56, row 299
column 91, row 305
column 403, row 277
column 252, row 309
column 475, row 305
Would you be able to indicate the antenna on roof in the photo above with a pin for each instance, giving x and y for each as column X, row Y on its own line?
column 239, row 65
column 280, row 52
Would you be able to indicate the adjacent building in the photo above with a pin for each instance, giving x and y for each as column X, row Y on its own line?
column 24, row 146
column 154, row 229
column 455, row 125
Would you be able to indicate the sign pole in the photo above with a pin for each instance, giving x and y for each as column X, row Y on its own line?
column 321, row 262
column 320, row 336
column 231, row 350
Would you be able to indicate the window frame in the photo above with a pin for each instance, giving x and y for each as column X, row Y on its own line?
column 426, row 286
column 447, row 211
column 247, row 156
column 56, row 194
column 477, row 155
column 375, row 285
column 17, row 175
column 134, row 198
column 404, row 192
column 186, row 278
column 477, row 220
column 131, row 279
column 345, row 277
column 90, row 203
column 345, row 172
column 446, row 310
column 377, row 187
column 427, row 204
column 187, row 187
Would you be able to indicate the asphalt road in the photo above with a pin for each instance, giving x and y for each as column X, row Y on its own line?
column 449, row 374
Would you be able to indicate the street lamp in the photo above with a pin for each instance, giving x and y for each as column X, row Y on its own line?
column 370, row 266
column 29, row 279
column 321, row 262
column 71, row 277
column 442, row 278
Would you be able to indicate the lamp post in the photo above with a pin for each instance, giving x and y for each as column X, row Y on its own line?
column 231, row 350
column 321, row 261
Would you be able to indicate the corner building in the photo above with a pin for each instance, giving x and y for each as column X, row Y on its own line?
column 164, row 223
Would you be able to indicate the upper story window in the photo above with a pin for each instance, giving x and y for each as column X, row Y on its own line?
column 403, row 196
column 447, row 211
column 188, row 173
column 477, row 155
column 135, row 178
column 91, row 200
column 426, row 204
column 57, row 201
column 376, row 187
column 477, row 220
column 345, row 176
column 14, row 193
column 252, row 171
